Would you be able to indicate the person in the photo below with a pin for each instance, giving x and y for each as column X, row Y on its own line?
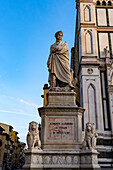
column 58, row 63
column 18, row 167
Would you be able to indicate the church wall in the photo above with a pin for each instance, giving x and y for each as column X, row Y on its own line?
column 95, row 30
column 89, row 45
column 80, row 45
column 110, row 92
column 103, row 42
column 101, row 12
column 111, row 37
column 92, row 44
column 89, row 14
column 110, row 14
column 111, row 107
column 88, row 32
column 90, row 78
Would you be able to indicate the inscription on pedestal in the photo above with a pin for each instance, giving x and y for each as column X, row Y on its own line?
column 61, row 129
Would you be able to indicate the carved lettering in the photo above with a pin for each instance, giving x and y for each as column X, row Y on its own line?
column 61, row 129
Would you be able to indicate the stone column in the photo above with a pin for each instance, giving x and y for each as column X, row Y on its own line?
column 110, row 93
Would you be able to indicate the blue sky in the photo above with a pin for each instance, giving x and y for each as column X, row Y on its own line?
column 27, row 29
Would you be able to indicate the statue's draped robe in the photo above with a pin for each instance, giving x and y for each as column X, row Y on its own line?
column 58, row 62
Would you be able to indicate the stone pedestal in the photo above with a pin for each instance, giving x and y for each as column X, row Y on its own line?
column 61, row 122
column 51, row 160
column 61, row 98
column 61, row 136
column 89, row 160
column 55, row 160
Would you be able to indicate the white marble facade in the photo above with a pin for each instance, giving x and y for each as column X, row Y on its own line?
column 94, row 69
column 90, row 81
column 93, row 38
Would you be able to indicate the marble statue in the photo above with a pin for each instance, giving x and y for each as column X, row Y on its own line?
column 106, row 51
column 33, row 140
column 58, row 63
column 90, row 137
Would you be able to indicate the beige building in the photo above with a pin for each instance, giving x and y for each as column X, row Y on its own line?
column 92, row 62
column 11, row 149
column 1, row 151
column 6, row 147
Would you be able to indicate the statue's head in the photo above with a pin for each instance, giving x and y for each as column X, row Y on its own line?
column 33, row 127
column 59, row 35
column 88, row 127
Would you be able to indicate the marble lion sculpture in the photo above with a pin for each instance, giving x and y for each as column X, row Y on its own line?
column 90, row 137
column 33, row 140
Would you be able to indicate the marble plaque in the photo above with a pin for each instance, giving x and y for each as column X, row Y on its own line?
column 61, row 128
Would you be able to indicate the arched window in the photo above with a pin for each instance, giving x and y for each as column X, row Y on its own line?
column 87, row 13
column 98, row 2
column 92, row 108
column 103, row 3
column 88, row 43
column 109, row 3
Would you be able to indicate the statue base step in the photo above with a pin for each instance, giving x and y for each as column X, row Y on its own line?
column 60, row 98
column 89, row 160
column 40, row 159
column 76, row 160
